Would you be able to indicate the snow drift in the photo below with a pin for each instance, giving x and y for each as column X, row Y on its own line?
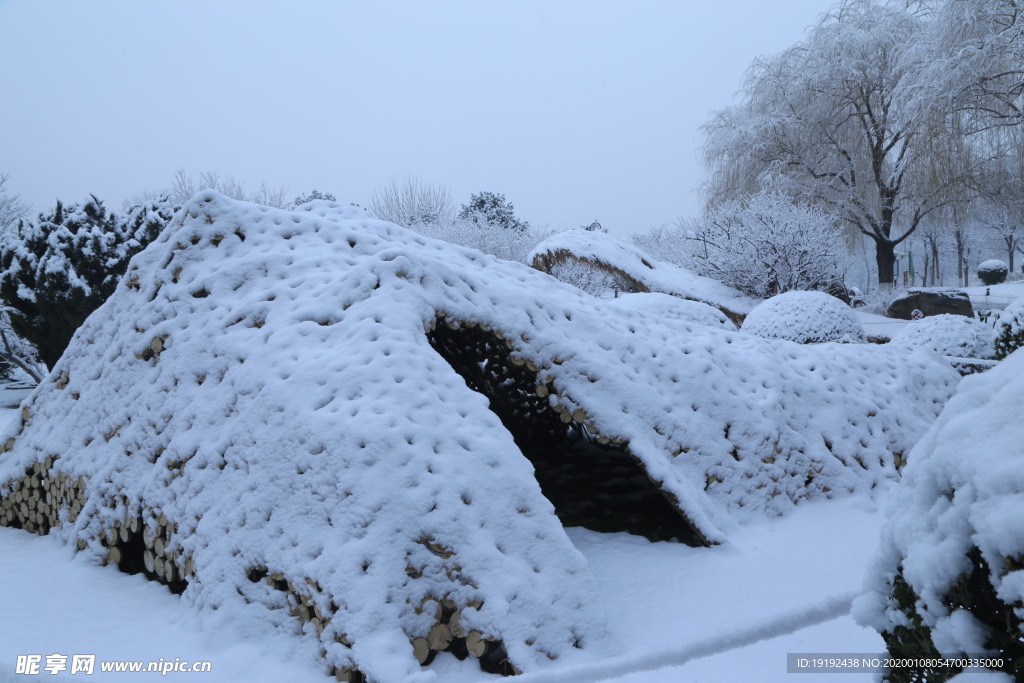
column 321, row 420
column 639, row 271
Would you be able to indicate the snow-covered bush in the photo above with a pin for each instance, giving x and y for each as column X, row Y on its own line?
column 58, row 269
column 948, row 579
column 805, row 318
column 504, row 243
column 949, row 335
column 761, row 246
column 993, row 271
column 1009, row 329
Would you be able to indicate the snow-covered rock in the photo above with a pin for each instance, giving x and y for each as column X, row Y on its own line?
column 954, row 530
column 805, row 318
column 273, row 396
column 606, row 253
column 949, row 335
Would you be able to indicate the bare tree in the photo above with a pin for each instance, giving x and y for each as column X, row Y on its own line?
column 11, row 206
column 835, row 120
column 412, row 201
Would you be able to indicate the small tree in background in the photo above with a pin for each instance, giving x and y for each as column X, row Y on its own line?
column 764, row 245
column 491, row 209
column 58, row 269
column 313, row 196
column 412, row 202
column 11, row 207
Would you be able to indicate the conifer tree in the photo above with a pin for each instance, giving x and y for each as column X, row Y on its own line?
column 58, row 269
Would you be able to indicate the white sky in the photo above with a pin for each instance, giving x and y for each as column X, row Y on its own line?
column 573, row 110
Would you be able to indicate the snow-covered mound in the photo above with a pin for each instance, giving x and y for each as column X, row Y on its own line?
column 805, row 318
column 311, row 418
column 952, row 550
column 949, row 335
column 604, row 252
column 666, row 307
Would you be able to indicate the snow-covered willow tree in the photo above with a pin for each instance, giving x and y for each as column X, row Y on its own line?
column 762, row 245
column 838, row 120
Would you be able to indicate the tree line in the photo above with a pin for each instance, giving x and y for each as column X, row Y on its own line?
column 896, row 118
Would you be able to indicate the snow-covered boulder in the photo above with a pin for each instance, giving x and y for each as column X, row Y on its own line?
column 930, row 301
column 327, row 424
column 805, row 318
column 637, row 270
column 949, row 576
column 949, row 335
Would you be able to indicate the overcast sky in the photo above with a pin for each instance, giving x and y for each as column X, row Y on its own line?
column 573, row 110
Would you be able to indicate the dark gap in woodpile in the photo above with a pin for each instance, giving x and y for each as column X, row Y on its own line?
column 595, row 486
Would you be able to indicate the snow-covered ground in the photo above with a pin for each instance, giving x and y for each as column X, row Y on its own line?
column 681, row 613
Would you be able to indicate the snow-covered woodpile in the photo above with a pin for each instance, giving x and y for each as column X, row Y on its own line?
column 637, row 270
column 348, row 429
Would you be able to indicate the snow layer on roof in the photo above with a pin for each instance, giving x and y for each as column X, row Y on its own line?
column 949, row 335
column 602, row 249
column 262, row 381
column 963, row 486
column 805, row 318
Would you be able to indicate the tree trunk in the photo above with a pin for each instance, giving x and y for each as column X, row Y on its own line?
column 885, row 259
column 936, row 277
column 1011, row 246
column 924, row 276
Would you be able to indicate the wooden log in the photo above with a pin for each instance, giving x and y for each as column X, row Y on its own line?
column 149, row 561
column 542, row 390
column 476, row 644
column 440, row 637
column 421, row 651
column 454, row 624
column 114, row 555
column 158, row 566
column 158, row 546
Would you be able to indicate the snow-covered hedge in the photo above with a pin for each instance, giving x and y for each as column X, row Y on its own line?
column 805, row 318
column 993, row 271
column 1009, row 329
column 273, row 413
column 949, row 576
column 956, row 336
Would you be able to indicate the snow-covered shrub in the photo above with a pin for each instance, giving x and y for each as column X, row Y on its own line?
column 993, row 271
column 763, row 245
column 948, row 578
column 504, row 243
column 949, row 335
column 1009, row 329
column 58, row 269
column 805, row 318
